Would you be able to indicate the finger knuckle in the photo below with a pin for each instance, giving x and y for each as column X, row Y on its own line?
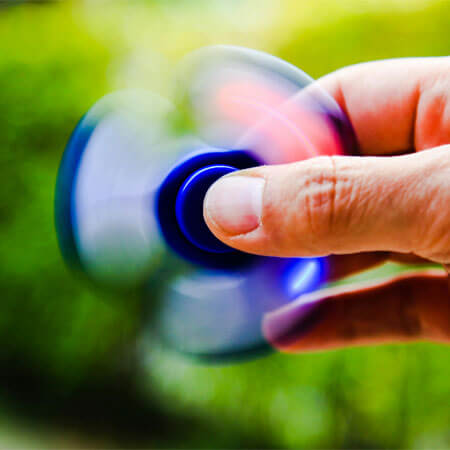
column 325, row 194
column 434, row 230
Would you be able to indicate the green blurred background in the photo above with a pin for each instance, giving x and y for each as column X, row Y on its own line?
column 74, row 369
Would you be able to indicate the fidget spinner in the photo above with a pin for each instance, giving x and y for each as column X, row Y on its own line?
column 134, row 174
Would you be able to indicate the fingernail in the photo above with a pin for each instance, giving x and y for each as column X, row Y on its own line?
column 234, row 203
column 285, row 327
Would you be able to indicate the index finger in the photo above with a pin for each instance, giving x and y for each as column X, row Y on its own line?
column 395, row 106
column 408, row 307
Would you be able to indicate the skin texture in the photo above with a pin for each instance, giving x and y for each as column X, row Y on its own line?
column 392, row 204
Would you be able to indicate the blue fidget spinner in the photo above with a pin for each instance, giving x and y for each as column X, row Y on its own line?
column 131, row 185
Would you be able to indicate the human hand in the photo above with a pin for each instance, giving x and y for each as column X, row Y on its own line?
column 394, row 203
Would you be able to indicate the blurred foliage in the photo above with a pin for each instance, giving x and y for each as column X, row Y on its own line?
column 73, row 360
column 50, row 73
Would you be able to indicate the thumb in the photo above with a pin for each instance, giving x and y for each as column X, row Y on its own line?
column 337, row 205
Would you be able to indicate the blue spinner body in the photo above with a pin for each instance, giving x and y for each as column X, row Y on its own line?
column 130, row 189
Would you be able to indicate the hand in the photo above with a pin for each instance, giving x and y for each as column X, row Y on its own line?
column 361, row 211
